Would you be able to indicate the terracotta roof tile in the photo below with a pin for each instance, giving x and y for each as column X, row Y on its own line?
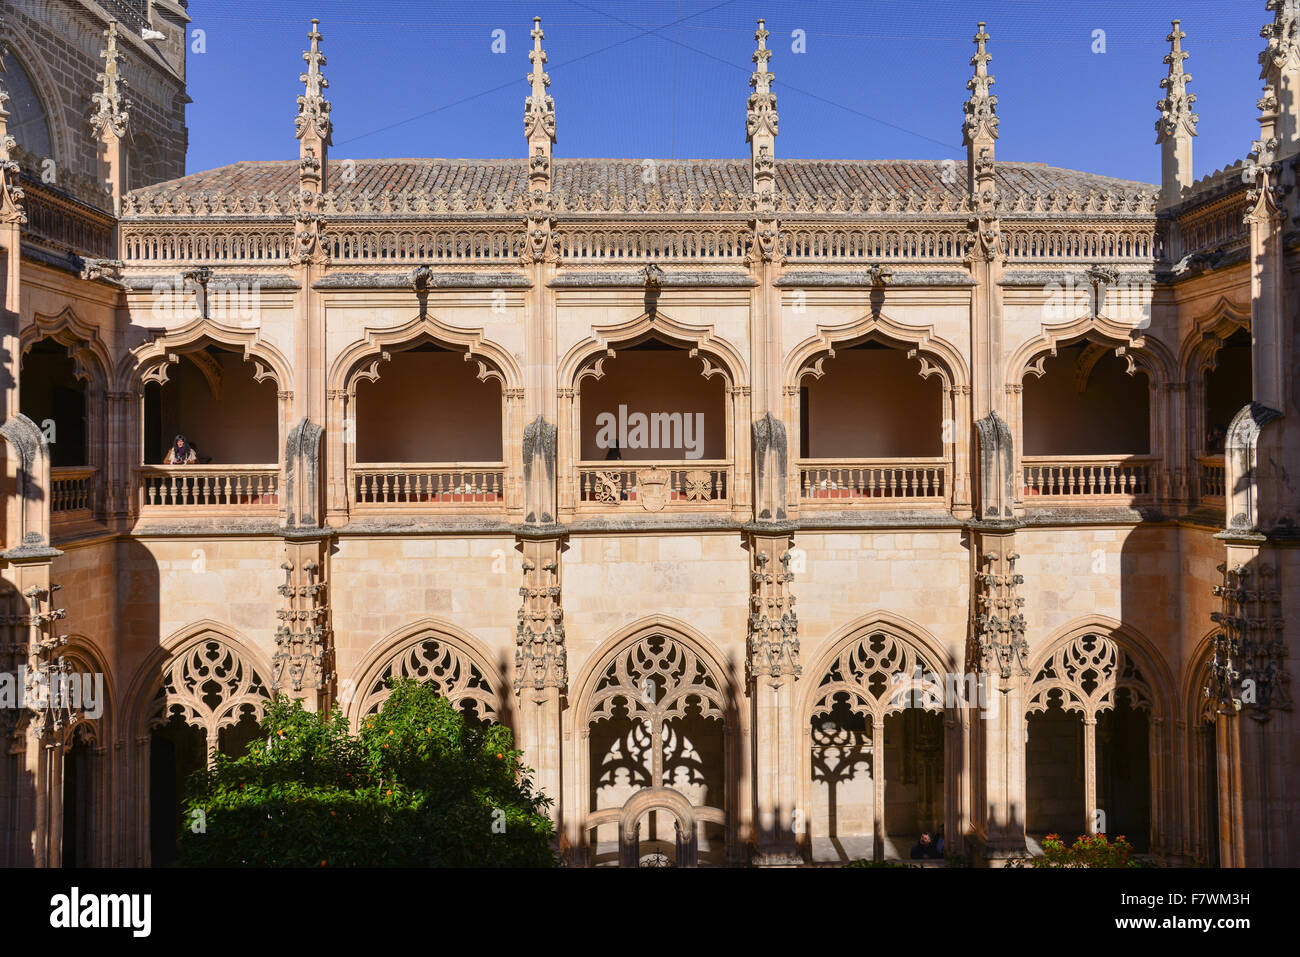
column 629, row 184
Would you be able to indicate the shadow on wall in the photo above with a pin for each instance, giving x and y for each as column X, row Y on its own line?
column 1126, row 741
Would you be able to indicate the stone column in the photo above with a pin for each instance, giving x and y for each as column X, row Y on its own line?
column 541, row 665
column 774, row 669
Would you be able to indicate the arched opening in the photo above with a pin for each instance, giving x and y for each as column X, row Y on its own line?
column 428, row 430
column 657, row 836
column 1226, row 390
column 871, row 427
column 1054, row 787
column 79, row 798
column 29, row 122
column 175, row 752
column 1205, row 742
column 877, row 741
column 210, row 702
column 54, row 398
column 212, row 398
column 1087, row 425
column 1088, row 745
column 229, row 420
column 1124, row 771
column 656, row 723
column 653, row 429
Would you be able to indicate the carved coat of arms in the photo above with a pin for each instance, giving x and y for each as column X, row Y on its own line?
column 652, row 488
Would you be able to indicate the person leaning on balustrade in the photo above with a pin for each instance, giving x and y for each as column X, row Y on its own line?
column 182, row 452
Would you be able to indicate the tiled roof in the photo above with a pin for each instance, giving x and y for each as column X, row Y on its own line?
column 627, row 185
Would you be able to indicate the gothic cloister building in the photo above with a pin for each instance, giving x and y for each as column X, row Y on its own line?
column 782, row 508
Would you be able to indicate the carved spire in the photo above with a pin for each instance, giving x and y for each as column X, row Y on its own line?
column 314, row 130
column 982, row 107
column 110, row 120
column 1280, row 70
column 539, row 128
column 539, row 108
column 981, row 132
column 313, row 109
column 113, row 109
column 761, row 118
column 1281, row 49
column 1177, row 123
column 11, row 194
column 761, row 130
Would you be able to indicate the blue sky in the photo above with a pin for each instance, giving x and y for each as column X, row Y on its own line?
column 669, row 78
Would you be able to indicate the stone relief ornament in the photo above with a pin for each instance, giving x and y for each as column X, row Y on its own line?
column 652, row 488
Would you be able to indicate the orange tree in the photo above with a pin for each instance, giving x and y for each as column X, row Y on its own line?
column 417, row 785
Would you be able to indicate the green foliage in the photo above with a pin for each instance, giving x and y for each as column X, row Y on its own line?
column 1094, row 851
column 419, row 785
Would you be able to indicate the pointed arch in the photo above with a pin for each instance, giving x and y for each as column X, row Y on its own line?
column 150, row 360
column 717, row 355
column 646, row 693
column 1083, row 668
column 242, row 673
column 1209, row 331
column 46, row 88
column 598, row 663
column 881, row 666
column 361, row 360
column 435, row 651
column 1061, row 659
column 1139, row 352
column 92, row 362
column 934, row 354
column 906, row 646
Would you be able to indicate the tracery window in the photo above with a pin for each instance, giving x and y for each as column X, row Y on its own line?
column 431, row 658
column 210, row 687
column 657, row 730
column 1085, row 676
column 878, row 738
column 29, row 122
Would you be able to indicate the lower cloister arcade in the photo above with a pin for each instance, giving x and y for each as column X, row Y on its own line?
column 876, row 741
column 656, row 729
column 1091, row 743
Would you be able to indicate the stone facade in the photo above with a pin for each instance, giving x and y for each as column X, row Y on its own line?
column 753, row 654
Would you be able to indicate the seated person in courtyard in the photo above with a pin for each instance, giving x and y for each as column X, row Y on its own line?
column 924, row 849
column 182, row 452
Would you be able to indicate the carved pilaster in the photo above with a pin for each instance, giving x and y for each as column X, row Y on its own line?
column 773, row 623
column 541, row 662
column 302, row 665
column 999, row 625
column 540, row 658
column 1252, row 643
